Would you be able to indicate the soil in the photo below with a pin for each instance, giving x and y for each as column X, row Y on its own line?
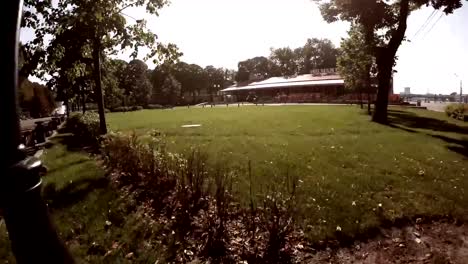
column 434, row 243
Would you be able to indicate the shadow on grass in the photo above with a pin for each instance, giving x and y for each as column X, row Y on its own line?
column 70, row 164
column 74, row 143
column 72, row 193
column 459, row 146
column 409, row 122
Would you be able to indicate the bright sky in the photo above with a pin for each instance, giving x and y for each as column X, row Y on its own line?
column 224, row 32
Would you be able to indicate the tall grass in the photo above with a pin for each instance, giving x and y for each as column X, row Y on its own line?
column 195, row 205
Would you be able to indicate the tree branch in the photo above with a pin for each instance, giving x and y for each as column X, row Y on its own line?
column 399, row 34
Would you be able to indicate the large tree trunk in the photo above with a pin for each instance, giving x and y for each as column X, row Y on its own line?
column 385, row 67
column 385, row 57
column 98, row 86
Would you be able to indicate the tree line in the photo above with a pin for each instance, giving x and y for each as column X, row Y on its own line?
column 76, row 39
column 315, row 54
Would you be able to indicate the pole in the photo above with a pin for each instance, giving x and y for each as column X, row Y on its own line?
column 461, row 91
column 32, row 235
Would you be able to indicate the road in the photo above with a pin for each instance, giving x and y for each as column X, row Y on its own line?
column 436, row 106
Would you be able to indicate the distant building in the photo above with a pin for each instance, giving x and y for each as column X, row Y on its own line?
column 407, row 90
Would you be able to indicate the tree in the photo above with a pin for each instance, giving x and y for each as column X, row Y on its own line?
column 35, row 99
column 355, row 63
column 99, row 27
column 135, row 83
column 113, row 82
column 384, row 25
column 170, row 90
column 316, row 54
column 260, row 67
column 214, row 79
column 285, row 60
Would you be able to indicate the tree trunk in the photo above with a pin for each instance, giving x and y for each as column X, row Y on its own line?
column 67, row 106
column 385, row 66
column 385, row 57
column 98, row 86
column 368, row 88
column 83, row 100
column 360, row 99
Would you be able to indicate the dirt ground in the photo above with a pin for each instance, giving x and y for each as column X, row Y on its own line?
column 435, row 243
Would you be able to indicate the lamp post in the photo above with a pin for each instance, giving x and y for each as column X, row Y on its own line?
column 461, row 88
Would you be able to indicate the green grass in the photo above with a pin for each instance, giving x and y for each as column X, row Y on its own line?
column 347, row 166
column 81, row 201
column 416, row 167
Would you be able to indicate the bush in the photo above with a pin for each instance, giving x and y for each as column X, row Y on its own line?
column 194, row 205
column 85, row 127
column 136, row 108
column 457, row 111
column 127, row 108
column 154, row 106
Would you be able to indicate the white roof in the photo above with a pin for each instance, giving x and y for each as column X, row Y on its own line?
column 284, row 82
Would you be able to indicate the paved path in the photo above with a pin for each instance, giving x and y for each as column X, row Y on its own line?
column 30, row 123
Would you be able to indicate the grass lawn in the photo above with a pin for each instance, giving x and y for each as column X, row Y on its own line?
column 347, row 167
column 81, row 201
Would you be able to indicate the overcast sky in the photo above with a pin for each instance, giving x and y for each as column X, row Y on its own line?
column 224, row 32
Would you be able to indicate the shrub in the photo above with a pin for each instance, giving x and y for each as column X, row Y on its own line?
column 127, row 108
column 85, row 127
column 154, row 106
column 121, row 109
column 457, row 111
column 136, row 108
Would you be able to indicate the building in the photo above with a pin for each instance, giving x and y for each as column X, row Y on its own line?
column 407, row 90
column 324, row 85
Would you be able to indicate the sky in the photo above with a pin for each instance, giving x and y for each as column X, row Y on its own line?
column 223, row 32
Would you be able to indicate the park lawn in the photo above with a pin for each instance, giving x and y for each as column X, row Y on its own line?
column 348, row 167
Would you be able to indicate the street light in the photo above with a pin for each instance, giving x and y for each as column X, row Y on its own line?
column 461, row 88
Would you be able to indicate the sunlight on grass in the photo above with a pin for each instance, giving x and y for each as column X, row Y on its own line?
column 347, row 165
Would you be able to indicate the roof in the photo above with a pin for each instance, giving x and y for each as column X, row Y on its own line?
column 284, row 82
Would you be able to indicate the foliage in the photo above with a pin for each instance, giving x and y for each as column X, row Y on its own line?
column 135, row 83
column 284, row 59
column 127, row 108
column 82, row 34
column 194, row 203
column 113, row 73
column 355, row 63
column 84, row 127
column 384, row 25
column 35, row 100
column 315, row 54
column 170, row 90
column 259, row 67
column 457, row 111
column 154, row 106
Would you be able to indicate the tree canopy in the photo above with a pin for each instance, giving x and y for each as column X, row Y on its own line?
column 83, row 33
column 315, row 54
column 384, row 25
